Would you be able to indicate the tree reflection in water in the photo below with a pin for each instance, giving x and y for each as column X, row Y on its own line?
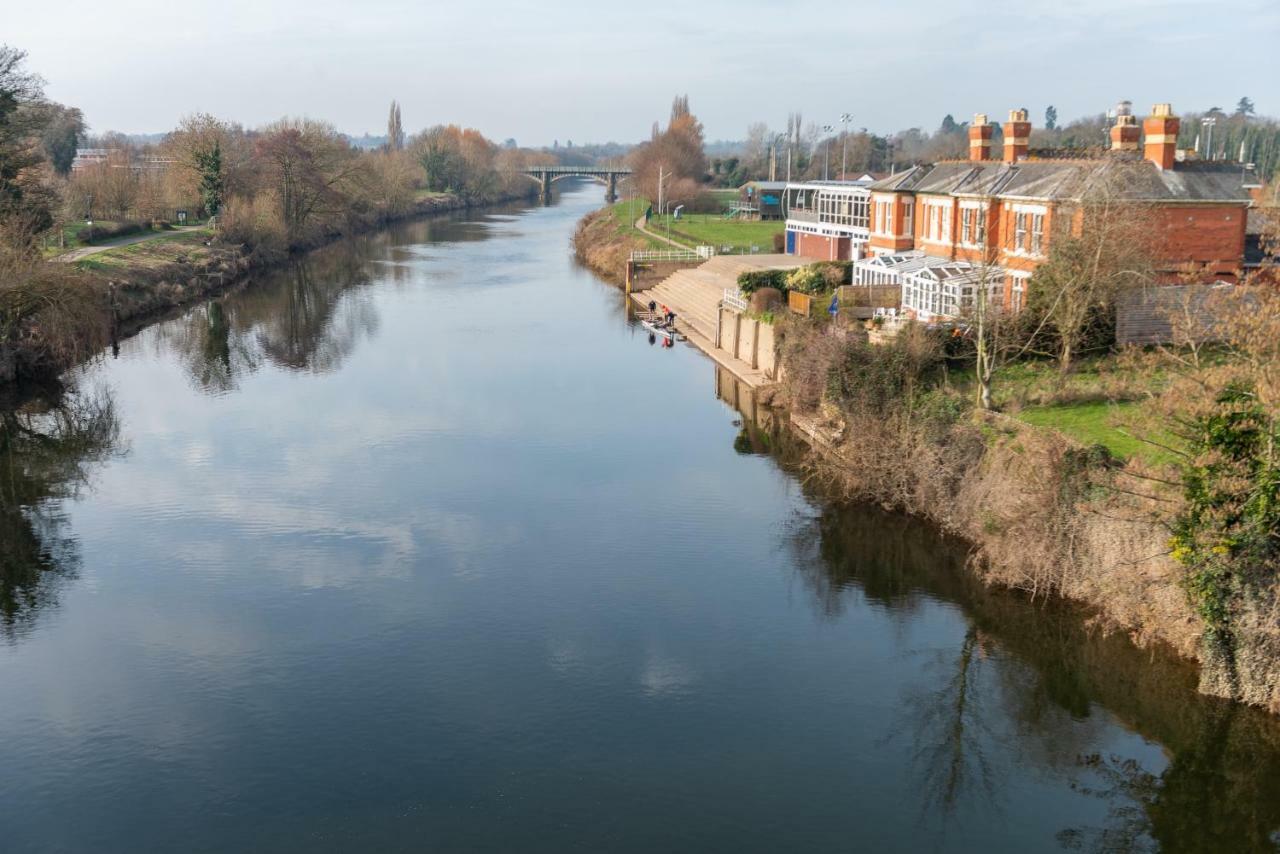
column 1036, row 684
column 47, row 450
column 308, row 317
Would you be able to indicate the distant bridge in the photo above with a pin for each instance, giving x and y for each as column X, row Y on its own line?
column 548, row 175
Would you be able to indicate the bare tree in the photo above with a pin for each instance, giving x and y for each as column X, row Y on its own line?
column 395, row 129
column 1100, row 246
column 309, row 164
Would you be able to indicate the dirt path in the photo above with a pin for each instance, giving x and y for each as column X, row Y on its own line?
column 84, row 252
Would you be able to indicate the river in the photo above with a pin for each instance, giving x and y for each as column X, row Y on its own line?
column 419, row 544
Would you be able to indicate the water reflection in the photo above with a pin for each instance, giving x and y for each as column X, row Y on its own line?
column 1036, row 684
column 47, row 450
column 310, row 315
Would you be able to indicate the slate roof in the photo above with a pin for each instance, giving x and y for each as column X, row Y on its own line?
column 1055, row 180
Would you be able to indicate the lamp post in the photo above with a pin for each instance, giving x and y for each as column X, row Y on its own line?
column 845, row 118
column 826, row 152
column 1208, row 122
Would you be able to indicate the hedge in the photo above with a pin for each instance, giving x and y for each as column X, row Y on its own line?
column 752, row 280
column 95, row 233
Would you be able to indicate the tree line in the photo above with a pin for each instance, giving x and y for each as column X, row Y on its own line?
column 271, row 189
column 818, row 151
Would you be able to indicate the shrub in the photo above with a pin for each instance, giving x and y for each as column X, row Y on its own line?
column 754, row 280
column 807, row 280
column 256, row 222
column 875, row 378
column 766, row 300
column 835, row 273
column 94, row 233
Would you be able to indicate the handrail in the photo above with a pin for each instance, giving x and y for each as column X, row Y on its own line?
column 666, row 255
column 735, row 299
column 702, row 253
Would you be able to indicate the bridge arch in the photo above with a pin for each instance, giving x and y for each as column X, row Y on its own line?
column 545, row 176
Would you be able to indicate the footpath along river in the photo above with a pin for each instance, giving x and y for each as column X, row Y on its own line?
column 420, row 545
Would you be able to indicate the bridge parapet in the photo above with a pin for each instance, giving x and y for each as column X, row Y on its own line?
column 548, row 175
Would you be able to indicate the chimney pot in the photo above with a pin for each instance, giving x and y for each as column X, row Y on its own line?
column 1017, row 136
column 1161, row 130
column 1125, row 133
column 980, row 138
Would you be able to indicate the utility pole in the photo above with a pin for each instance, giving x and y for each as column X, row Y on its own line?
column 660, row 179
column 826, row 153
column 845, row 118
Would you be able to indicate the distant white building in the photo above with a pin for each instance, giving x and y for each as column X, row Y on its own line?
column 828, row 220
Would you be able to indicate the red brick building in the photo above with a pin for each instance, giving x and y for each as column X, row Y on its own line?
column 1001, row 214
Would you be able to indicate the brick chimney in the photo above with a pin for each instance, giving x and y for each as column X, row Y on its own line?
column 980, row 137
column 1017, row 136
column 1161, row 130
column 1125, row 134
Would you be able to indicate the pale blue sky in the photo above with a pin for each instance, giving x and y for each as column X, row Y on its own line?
column 592, row 71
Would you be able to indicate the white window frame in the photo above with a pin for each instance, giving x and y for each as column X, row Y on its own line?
column 973, row 224
column 1028, row 230
column 937, row 221
column 1019, row 286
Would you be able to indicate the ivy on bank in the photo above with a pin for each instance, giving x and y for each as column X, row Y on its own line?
column 1228, row 536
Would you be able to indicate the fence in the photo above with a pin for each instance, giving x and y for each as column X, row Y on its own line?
column 650, row 256
column 870, row 296
column 734, row 299
column 799, row 303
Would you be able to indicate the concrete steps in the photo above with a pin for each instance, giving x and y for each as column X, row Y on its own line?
column 694, row 293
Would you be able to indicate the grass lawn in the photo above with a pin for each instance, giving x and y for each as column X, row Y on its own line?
column 149, row 253
column 1100, row 401
column 715, row 230
column 625, row 214
column 1091, row 423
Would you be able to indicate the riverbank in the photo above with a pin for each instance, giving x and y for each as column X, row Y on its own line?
column 1045, row 511
column 122, row 289
column 603, row 241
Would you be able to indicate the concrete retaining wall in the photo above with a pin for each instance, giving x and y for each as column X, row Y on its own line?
column 747, row 340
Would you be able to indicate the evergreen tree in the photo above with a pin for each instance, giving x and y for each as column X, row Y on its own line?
column 1244, row 107
column 1050, row 117
column 209, row 165
column 948, row 124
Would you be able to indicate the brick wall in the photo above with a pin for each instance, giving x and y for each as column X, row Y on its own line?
column 822, row 248
column 1200, row 235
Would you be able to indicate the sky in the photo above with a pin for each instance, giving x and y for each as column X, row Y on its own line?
column 600, row 71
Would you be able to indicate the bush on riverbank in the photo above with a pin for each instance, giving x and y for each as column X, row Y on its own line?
column 1045, row 514
column 51, row 316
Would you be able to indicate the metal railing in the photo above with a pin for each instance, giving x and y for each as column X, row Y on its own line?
column 652, row 255
column 735, row 299
column 702, row 253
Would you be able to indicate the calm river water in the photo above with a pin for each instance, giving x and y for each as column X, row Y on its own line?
column 420, row 545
